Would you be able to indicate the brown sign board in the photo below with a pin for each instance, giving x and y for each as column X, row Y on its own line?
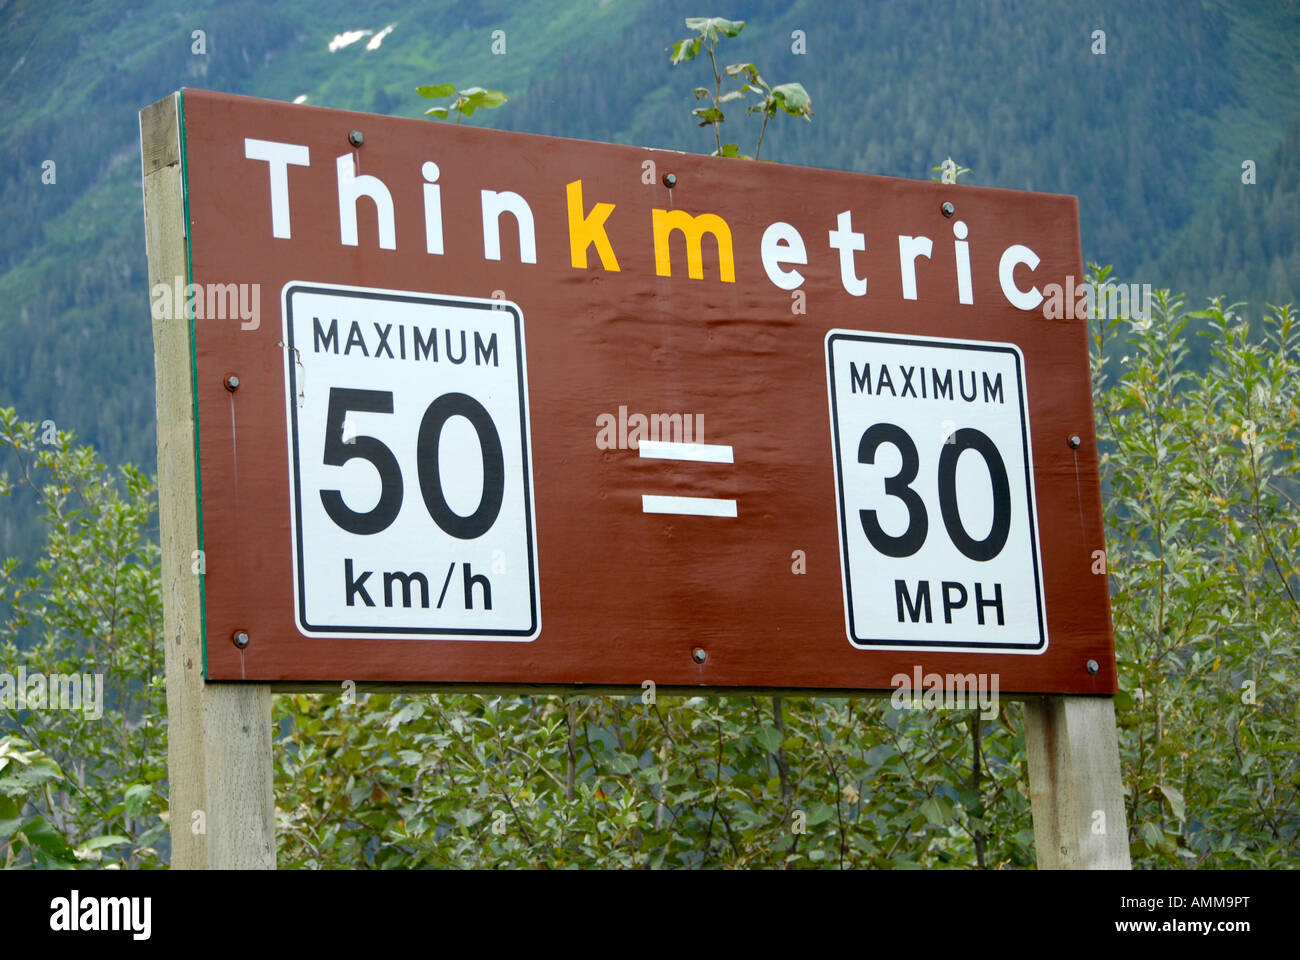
column 496, row 409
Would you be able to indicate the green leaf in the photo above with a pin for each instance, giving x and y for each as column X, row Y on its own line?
column 25, row 780
column 439, row 112
column 712, row 26
column 819, row 813
column 793, row 99
column 623, row 763
column 684, row 50
column 730, row 150
column 137, row 795
column 40, row 834
column 436, row 90
column 486, row 99
column 90, row 850
column 769, row 738
column 10, row 818
column 1176, row 802
column 937, row 810
column 412, row 711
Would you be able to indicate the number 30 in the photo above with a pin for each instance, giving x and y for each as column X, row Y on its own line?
column 918, row 521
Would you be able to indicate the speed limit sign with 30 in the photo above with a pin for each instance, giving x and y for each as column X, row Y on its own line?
column 938, row 529
column 409, row 463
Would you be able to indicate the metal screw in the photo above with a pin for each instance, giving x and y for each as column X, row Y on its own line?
column 698, row 654
column 1093, row 666
column 1075, row 441
column 232, row 383
column 948, row 209
column 356, row 138
column 670, row 180
column 240, row 639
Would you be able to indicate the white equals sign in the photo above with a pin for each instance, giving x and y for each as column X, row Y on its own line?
column 689, row 506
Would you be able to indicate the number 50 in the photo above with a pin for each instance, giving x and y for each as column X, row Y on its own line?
column 379, row 517
column 918, row 521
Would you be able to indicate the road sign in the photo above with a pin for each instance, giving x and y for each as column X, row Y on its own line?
column 500, row 409
column 446, row 482
column 934, row 479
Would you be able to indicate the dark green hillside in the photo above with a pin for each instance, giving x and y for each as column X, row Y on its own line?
column 1150, row 136
column 1244, row 240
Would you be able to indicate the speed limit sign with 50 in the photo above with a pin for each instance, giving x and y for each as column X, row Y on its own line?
column 934, row 479
column 410, row 470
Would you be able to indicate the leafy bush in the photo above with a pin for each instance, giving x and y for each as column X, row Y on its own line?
column 1203, row 534
column 1199, row 472
column 74, row 787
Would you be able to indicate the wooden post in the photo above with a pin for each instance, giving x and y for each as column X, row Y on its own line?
column 219, row 765
column 1075, row 787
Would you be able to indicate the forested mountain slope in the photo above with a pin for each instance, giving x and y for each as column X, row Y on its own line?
column 1150, row 135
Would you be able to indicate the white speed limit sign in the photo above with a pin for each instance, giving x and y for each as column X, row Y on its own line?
column 934, row 480
column 410, row 472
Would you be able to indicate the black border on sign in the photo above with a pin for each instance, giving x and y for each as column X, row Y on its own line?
column 287, row 294
column 1031, row 499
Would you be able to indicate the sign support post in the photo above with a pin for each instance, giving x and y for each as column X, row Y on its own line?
column 219, row 765
column 1075, row 788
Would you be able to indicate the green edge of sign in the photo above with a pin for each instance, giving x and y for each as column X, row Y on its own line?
column 194, row 378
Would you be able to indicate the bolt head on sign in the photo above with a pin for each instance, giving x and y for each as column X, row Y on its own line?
column 513, row 415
